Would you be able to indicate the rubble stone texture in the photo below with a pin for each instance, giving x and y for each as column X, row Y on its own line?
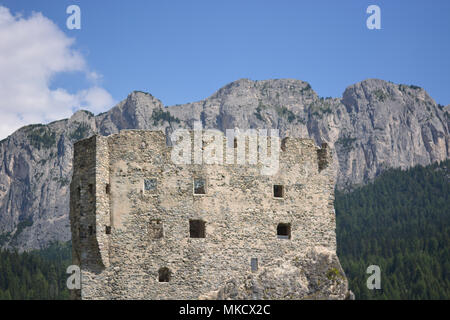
column 131, row 208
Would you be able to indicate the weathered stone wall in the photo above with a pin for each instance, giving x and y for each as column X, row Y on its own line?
column 124, row 247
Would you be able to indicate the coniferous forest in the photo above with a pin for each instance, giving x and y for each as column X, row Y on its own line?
column 400, row 222
column 39, row 274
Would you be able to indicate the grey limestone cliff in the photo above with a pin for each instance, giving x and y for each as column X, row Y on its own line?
column 375, row 125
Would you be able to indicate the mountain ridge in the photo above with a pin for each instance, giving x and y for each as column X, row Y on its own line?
column 375, row 125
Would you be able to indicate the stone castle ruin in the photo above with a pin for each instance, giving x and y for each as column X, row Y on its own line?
column 144, row 227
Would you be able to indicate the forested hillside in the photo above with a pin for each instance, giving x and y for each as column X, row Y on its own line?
column 401, row 222
column 35, row 275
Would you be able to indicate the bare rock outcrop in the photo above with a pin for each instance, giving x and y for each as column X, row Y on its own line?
column 318, row 275
column 375, row 125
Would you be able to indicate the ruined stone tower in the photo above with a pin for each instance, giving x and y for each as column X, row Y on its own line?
column 144, row 227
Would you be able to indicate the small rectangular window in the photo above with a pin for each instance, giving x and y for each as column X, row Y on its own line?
column 108, row 188
column 108, row 230
column 197, row 228
column 284, row 231
column 283, row 144
column 155, row 229
column 199, row 186
column 254, row 264
column 164, row 274
column 278, row 191
column 150, row 184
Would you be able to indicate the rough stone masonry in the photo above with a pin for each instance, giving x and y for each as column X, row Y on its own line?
column 144, row 227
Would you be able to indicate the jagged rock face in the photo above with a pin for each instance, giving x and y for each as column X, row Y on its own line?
column 318, row 275
column 387, row 125
column 374, row 126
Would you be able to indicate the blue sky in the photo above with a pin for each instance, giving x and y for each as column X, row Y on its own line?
column 183, row 51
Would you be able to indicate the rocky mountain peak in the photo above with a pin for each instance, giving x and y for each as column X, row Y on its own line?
column 375, row 125
column 81, row 116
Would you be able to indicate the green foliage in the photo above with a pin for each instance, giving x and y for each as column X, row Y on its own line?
column 90, row 114
column 403, row 87
column 284, row 112
column 4, row 237
column 22, row 225
column 36, row 274
column 81, row 132
column 146, row 93
column 158, row 115
column 62, row 181
column 333, row 274
column 318, row 109
column 260, row 107
column 305, row 89
column 42, row 137
column 381, row 95
column 400, row 222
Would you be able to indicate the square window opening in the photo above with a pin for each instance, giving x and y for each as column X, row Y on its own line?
column 164, row 274
column 150, row 184
column 199, row 186
column 278, row 191
column 197, row 228
column 284, row 231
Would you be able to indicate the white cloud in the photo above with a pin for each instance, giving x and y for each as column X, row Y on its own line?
column 32, row 51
